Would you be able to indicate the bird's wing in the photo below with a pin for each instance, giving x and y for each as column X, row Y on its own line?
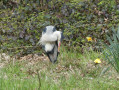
column 48, row 38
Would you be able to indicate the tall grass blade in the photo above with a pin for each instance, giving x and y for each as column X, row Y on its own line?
column 112, row 50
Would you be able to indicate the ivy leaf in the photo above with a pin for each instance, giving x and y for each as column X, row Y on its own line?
column 32, row 41
column 47, row 16
column 27, row 37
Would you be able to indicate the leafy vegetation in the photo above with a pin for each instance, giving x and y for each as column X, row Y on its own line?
column 112, row 50
column 22, row 22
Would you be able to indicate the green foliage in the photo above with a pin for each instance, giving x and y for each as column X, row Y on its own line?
column 22, row 21
column 112, row 50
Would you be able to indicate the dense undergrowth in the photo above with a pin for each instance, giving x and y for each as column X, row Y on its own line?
column 22, row 22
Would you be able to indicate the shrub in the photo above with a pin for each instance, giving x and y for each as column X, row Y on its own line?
column 22, row 24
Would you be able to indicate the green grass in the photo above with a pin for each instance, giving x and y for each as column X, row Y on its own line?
column 73, row 71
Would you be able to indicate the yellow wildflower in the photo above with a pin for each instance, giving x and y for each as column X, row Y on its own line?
column 97, row 61
column 89, row 38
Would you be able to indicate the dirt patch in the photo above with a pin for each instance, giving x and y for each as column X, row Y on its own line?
column 1, row 65
column 32, row 59
column 35, row 57
column 4, row 58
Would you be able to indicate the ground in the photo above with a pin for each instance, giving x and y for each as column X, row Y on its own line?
column 72, row 71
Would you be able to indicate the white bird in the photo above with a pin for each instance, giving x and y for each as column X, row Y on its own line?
column 51, row 41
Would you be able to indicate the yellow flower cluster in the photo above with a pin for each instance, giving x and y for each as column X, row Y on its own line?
column 97, row 61
column 89, row 39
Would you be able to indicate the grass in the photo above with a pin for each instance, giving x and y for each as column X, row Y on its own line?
column 73, row 71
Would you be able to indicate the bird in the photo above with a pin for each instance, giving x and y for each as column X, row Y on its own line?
column 51, row 41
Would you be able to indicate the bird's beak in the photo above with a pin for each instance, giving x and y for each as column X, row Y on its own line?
column 59, row 43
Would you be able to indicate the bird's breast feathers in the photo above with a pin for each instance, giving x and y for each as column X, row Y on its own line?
column 49, row 47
